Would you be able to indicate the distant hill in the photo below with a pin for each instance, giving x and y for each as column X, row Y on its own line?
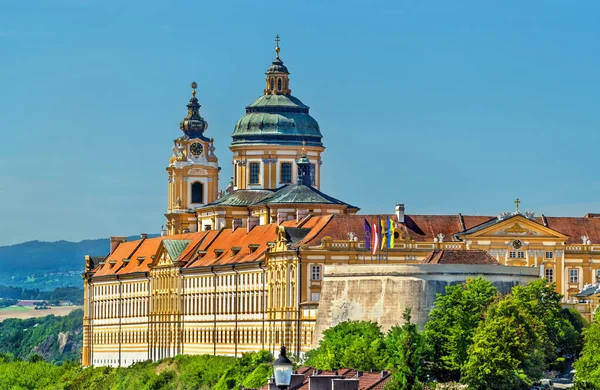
column 56, row 339
column 47, row 265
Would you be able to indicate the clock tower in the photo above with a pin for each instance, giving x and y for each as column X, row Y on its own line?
column 193, row 171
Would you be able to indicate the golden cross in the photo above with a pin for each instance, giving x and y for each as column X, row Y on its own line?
column 517, row 202
column 277, row 45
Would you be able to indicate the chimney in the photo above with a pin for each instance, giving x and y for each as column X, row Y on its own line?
column 301, row 214
column 281, row 217
column 252, row 221
column 143, row 236
column 384, row 373
column 344, row 384
column 237, row 223
column 400, row 213
column 115, row 241
column 322, row 382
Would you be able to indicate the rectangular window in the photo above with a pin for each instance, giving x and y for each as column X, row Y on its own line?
column 549, row 275
column 573, row 276
column 598, row 275
column 520, row 254
column 312, row 174
column 254, row 168
column 315, row 297
column 512, row 255
column 316, row 272
column 549, row 255
column 286, row 172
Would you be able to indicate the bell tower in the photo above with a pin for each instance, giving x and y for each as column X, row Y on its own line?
column 193, row 171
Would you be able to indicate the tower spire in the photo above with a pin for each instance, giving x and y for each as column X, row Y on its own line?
column 277, row 49
column 193, row 125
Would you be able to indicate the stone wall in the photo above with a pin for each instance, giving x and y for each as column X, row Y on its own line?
column 380, row 293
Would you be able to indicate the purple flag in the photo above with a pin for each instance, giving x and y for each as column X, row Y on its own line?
column 367, row 235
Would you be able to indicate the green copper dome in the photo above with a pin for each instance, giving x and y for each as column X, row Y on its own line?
column 277, row 117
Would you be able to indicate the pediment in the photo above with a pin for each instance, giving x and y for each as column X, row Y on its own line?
column 515, row 226
column 161, row 258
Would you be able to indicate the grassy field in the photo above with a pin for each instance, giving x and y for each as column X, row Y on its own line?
column 28, row 312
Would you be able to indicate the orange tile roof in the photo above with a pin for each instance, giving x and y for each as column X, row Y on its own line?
column 337, row 226
column 458, row 256
column 575, row 228
column 132, row 250
column 122, row 251
column 427, row 227
column 228, row 239
column 316, row 228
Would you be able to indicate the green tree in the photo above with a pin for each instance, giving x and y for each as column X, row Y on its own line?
column 350, row 344
column 587, row 367
column 579, row 324
column 406, row 350
column 543, row 302
column 507, row 351
column 452, row 323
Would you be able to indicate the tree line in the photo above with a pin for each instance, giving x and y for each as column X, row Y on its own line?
column 183, row 372
column 72, row 294
column 474, row 336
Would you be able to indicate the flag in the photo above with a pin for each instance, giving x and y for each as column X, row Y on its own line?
column 375, row 233
column 367, row 235
column 392, row 227
column 383, row 235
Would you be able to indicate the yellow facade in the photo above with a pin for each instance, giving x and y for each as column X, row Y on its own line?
column 227, row 278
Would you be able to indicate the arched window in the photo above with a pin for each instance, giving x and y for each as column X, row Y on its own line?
column 279, row 84
column 272, row 83
column 197, row 192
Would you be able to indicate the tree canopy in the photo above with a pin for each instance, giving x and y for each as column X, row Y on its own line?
column 588, row 365
column 452, row 324
column 356, row 344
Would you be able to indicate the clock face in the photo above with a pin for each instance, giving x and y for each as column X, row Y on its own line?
column 517, row 244
column 196, row 149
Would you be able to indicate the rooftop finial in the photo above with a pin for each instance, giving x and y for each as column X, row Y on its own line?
column 303, row 148
column 517, row 202
column 277, row 46
column 194, row 86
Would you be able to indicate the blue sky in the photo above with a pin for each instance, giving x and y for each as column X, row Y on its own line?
column 446, row 106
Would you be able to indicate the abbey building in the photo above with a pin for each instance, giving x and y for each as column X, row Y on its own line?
column 242, row 270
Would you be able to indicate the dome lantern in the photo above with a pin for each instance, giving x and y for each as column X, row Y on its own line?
column 278, row 81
